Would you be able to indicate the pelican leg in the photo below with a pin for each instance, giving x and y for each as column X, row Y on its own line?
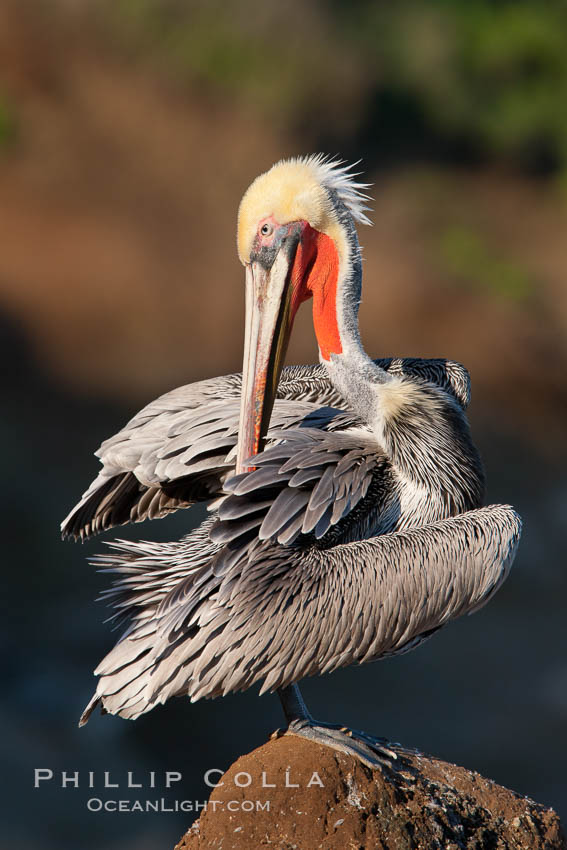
column 371, row 751
column 293, row 704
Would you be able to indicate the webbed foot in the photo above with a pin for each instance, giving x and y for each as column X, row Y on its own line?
column 373, row 752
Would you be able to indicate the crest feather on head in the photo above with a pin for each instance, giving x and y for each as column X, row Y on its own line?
column 337, row 174
column 298, row 189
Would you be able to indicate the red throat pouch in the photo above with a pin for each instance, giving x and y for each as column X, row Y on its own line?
column 315, row 273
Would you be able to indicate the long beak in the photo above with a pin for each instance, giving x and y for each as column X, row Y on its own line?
column 269, row 318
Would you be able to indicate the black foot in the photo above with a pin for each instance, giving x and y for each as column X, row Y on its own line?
column 373, row 752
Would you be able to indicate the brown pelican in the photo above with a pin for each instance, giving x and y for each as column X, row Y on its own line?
column 347, row 523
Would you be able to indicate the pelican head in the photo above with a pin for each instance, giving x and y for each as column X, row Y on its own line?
column 293, row 237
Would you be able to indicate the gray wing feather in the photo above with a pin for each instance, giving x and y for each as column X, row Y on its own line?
column 178, row 471
column 292, row 613
column 177, row 449
column 284, row 510
column 278, row 501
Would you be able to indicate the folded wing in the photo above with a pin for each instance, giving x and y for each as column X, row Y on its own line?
column 178, row 449
column 291, row 613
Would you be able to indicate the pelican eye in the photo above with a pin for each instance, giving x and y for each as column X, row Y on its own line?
column 267, row 229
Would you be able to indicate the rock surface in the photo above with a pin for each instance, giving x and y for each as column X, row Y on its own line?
column 323, row 799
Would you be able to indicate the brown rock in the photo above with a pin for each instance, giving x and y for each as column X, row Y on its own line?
column 323, row 799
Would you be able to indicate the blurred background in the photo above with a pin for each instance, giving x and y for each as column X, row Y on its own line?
column 129, row 130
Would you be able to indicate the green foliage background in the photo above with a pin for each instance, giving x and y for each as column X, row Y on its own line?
column 468, row 79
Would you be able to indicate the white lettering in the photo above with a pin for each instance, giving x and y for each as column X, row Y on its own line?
column 208, row 778
column 315, row 780
column 132, row 784
column 265, row 783
column 172, row 776
column 38, row 777
column 70, row 779
column 289, row 784
column 107, row 782
column 247, row 780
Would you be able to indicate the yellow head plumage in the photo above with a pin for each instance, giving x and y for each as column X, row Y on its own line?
column 298, row 190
